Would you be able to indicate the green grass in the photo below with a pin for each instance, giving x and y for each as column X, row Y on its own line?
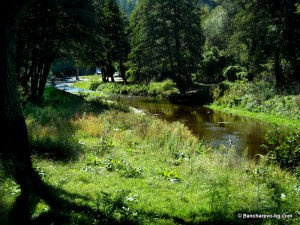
column 272, row 119
column 137, row 169
column 165, row 89
column 259, row 100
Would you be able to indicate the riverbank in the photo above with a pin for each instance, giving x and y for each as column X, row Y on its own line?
column 166, row 89
column 259, row 100
column 132, row 168
column 267, row 118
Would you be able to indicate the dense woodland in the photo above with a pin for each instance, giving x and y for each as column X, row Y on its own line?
column 189, row 42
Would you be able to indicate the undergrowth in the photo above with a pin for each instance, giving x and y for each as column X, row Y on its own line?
column 165, row 89
column 259, row 97
column 136, row 169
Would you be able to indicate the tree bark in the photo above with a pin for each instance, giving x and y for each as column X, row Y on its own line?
column 277, row 68
column 122, row 71
column 14, row 151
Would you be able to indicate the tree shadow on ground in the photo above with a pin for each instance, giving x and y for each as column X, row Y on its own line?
column 65, row 210
column 62, row 210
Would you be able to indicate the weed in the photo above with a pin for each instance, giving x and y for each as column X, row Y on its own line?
column 170, row 175
column 283, row 147
column 214, row 184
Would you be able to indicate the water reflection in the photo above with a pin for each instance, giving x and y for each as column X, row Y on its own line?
column 214, row 127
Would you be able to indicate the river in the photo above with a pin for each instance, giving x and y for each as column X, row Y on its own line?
column 213, row 127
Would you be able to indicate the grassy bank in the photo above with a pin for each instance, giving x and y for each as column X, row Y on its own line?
column 135, row 169
column 259, row 100
column 165, row 89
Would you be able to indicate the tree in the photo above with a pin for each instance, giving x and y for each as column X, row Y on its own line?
column 167, row 40
column 258, row 33
column 47, row 26
column 15, row 149
column 115, row 46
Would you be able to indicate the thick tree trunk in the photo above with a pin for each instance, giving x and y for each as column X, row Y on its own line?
column 14, row 139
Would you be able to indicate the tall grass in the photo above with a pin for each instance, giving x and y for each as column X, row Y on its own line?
column 259, row 97
column 137, row 169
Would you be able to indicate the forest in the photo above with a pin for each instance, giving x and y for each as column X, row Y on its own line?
column 80, row 158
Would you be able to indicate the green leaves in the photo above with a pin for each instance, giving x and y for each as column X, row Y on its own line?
column 166, row 40
column 283, row 148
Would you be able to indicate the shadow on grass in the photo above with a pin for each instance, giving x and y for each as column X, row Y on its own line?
column 64, row 211
column 56, row 112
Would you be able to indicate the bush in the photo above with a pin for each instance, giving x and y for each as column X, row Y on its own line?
column 163, row 89
column 233, row 73
column 94, row 85
column 283, row 148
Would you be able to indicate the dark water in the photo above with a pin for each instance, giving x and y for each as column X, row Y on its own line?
column 215, row 128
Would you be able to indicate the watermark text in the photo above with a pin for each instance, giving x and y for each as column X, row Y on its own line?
column 264, row 216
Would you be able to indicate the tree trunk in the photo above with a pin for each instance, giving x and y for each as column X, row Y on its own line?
column 122, row 72
column 277, row 68
column 77, row 74
column 43, row 80
column 110, row 73
column 14, row 139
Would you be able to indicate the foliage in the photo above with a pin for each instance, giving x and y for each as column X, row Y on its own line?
column 166, row 40
column 94, row 85
column 254, row 33
column 127, row 6
column 283, row 148
column 45, row 33
column 232, row 73
column 164, row 89
column 258, row 96
column 213, row 63
column 114, row 46
column 114, row 145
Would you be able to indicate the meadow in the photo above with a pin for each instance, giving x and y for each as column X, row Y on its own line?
column 132, row 168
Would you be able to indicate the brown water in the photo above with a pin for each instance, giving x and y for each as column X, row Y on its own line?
column 213, row 127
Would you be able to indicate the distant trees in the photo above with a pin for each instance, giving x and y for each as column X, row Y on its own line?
column 257, row 34
column 114, row 47
column 166, row 40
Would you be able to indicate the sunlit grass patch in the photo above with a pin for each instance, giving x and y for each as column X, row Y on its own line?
column 258, row 99
column 138, row 169
column 161, row 164
column 196, row 187
column 164, row 89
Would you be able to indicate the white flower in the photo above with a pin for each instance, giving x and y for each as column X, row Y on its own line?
column 283, row 196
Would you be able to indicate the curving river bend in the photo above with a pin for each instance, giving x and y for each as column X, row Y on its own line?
column 214, row 127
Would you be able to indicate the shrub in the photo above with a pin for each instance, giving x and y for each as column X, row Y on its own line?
column 283, row 148
column 232, row 73
column 163, row 89
column 94, row 85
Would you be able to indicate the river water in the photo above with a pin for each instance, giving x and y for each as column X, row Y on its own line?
column 213, row 127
